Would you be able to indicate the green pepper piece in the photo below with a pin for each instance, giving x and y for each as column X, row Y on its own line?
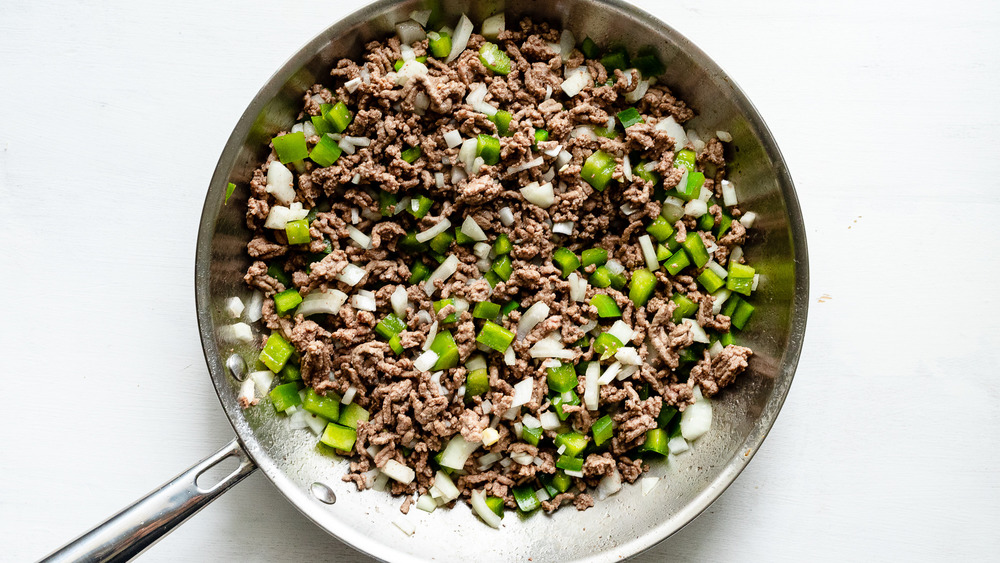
column 486, row 310
column 666, row 415
column 286, row 301
column 590, row 256
column 352, row 415
column 723, row 226
column 706, row 222
column 339, row 116
column 685, row 307
column 494, row 59
column 574, row 442
column 629, row 117
column 648, row 64
column 297, row 232
column 462, row 238
column 601, row 277
column 740, row 278
column 441, row 242
column 660, row 228
column 692, row 188
column 327, row 406
column 290, row 372
column 568, row 398
column 569, row 463
column 387, row 202
column 321, row 125
column 611, row 133
column 606, row 345
column 643, row 170
column 438, row 305
column 590, row 49
column 656, row 442
column 526, row 498
column 495, row 504
column 710, row 280
column 541, row 135
column 419, row 272
column 502, row 245
column 502, row 267
column 726, row 339
column 439, row 44
column 492, row 278
column 685, row 158
column 230, row 188
column 446, row 349
column 662, row 253
column 339, row 437
column 531, row 435
column 502, row 120
column 510, row 306
column 390, row 326
column 477, row 382
column 396, row 344
column 488, row 147
column 616, row 60
column 495, row 336
column 409, row 243
column 290, row 147
column 566, row 260
column 695, row 248
column 598, row 169
column 742, row 314
column 285, row 396
column 618, row 281
column 606, row 306
column 276, row 352
column 420, row 206
column 677, row 262
column 561, row 378
column 641, row 287
column 602, row 429
column 411, row 154
column 731, row 305
column 326, row 152
column 275, row 271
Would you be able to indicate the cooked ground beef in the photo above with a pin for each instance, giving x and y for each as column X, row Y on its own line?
column 413, row 414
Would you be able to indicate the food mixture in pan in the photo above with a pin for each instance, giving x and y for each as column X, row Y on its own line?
column 496, row 268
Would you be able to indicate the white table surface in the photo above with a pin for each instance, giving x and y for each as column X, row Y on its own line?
column 113, row 114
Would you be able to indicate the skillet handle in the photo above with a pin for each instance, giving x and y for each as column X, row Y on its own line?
column 136, row 528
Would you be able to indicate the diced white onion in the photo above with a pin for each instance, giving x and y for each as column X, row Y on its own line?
column 577, row 287
column 563, row 159
column 440, row 227
column 405, row 526
column 640, row 90
column 237, row 332
column 674, row 130
column 398, row 472
column 492, row 26
column 715, row 349
column 453, row 138
column 457, row 174
column 246, row 391
column 609, row 485
column 720, row 297
column 549, row 420
column 363, row 240
column 328, row 302
column 399, row 301
column 446, row 486
column 526, row 165
column 506, row 216
column 353, row 84
column 478, row 500
column 409, row 70
column 357, row 141
column 577, row 474
column 489, row 459
column 577, row 81
column 426, row 503
column 554, row 151
column 756, row 280
column 627, row 167
column 442, row 272
column 647, row 484
column 346, row 145
column 467, row 154
column 426, row 361
column 615, row 266
column 234, row 307
column 541, row 195
column 277, row 217
column 566, row 44
column 678, row 445
column 626, row 372
column 351, row 275
column 508, row 356
column 308, row 129
column 696, row 420
column 735, row 254
column 457, row 452
column 695, row 208
column 548, row 91
column 523, row 458
column 729, row 198
column 724, row 136
column 705, row 194
column 484, row 264
column 717, row 268
column 609, row 374
column 279, row 183
column 673, row 207
column 460, row 39
column 622, row 332
column 409, row 32
column 431, row 334
column 522, row 392
column 628, row 355
column 262, row 381
column 481, row 249
column 585, row 131
column 490, row 436
column 254, row 310
column 747, row 219
column 472, row 229
column 563, row 227
column 551, row 347
column 297, row 128
column 592, row 386
column 591, row 325
column 421, row 16
column 649, row 253
column 534, row 315
column 363, row 300
column 356, row 179
column 315, row 423
column 697, row 333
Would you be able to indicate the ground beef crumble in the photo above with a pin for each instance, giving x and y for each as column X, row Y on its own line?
column 371, row 191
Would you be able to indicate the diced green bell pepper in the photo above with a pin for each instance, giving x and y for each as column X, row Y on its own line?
column 502, row 267
column 525, row 497
column 352, row 415
column 286, row 301
column 411, row 154
column 561, row 378
column 390, row 326
column 339, row 116
column 606, row 306
column 495, row 336
column 641, row 287
column 574, row 442
column 602, row 429
column 486, row 310
column 677, row 262
column 284, row 396
column 629, row 117
column 488, row 147
column 590, row 256
column 531, row 435
column 419, row 272
column 297, row 231
column 326, row 152
column 569, row 463
column 598, row 169
column 502, row 245
column 339, row 437
column 276, row 352
column 446, row 349
column 290, row 147
column 656, row 442
column 441, row 304
column 566, row 260
column 696, row 250
column 606, row 345
column 740, row 278
column 327, row 406
column 685, row 307
column 494, row 59
column 710, row 280
column 439, row 44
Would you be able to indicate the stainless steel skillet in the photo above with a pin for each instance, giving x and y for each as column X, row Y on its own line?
column 619, row 527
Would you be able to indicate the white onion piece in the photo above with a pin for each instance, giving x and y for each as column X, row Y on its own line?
column 398, row 472
column 715, row 349
column 591, row 325
column 472, row 229
column 522, row 392
column 697, row 333
column 549, row 420
column 298, row 128
column 237, row 332
column 534, row 315
column 443, row 272
column 461, row 306
column 460, row 39
column 627, row 167
column 627, row 209
column 735, row 254
column 234, row 307
column 576, row 82
column 279, row 183
column 315, row 423
column 729, row 198
column 530, row 421
column 629, row 356
column 563, row 158
column 421, row 16
column 453, row 138
column 622, row 332
column 357, row 141
column 541, row 195
column 640, row 90
column 351, row 275
column 705, row 194
column 458, row 174
column 577, row 287
column 724, row 136
column 409, row 33
column 554, row 151
column 747, row 219
column 481, row 249
column 457, row 452
column 403, row 205
column 756, row 280
column 695, row 208
column 717, row 268
column 426, row 503
column 353, row 84
column 363, row 240
column 296, row 418
column 246, row 392
column 363, row 300
column 508, row 356
column 609, row 374
column 346, row 146
column 566, row 44
column 478, row 500
column 609, row 485
column 696, row 420
column 483, row 264
column 647, row 484
column 673, row 208
column 262, row 380
column 409, row 70
column 592, row 386
column 506, row 216
column 475, row 362
column 439, row 180
column 356, row 215
column 695, row 140
column 674, row 130
column 720, row 297
column 277, row 217
column 440, row 227
column 431, row 333
column 405, row 526
column 426, row 361
column 551, row 347
column 526, row 165
column 308, row 129
column 563, row 227
column 467, row 154
column 446, row 487
column 399, row 301
column 492, row 26
column 254, row 310
column 615, row 266
column 678, row 445
column 296, row 211
column 649, row 253
column 523, row 458
column 328, row 302
column 626, row 372
column 585, row 131
column 489, row 459
column 349, row 395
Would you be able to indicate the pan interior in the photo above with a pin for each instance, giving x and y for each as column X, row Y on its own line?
column 627, row 522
